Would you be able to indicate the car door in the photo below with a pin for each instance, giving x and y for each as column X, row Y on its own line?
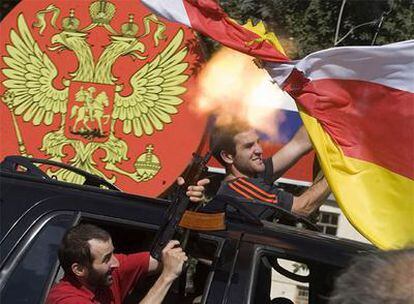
column 28, row 268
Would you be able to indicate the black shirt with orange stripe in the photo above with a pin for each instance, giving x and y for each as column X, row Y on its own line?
column 260, row 188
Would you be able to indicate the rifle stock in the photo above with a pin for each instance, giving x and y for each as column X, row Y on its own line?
column 179, row 205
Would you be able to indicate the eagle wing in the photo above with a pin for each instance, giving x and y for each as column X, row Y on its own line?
column 156, row 90
column 30, row 74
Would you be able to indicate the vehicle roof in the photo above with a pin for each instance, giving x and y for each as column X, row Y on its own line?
column 50, row 195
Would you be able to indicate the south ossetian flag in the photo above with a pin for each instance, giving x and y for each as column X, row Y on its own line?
column 208, row 18
column 357, row 104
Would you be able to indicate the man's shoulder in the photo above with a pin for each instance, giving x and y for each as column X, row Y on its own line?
column 248, row 188
column 134, row 258
column 132, row 265
column 255, row 182
column 65, row 292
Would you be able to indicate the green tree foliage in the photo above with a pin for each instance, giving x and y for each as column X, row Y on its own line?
column 305, row 26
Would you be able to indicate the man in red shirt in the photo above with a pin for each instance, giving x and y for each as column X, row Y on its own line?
column 94, row 274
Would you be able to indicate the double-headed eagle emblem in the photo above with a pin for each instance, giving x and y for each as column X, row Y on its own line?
column 91, row 104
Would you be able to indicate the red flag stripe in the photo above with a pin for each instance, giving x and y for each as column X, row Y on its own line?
column 369, row 121
column 210, row 19
column 207, row 17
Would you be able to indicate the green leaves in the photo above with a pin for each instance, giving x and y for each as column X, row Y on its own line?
column 306, row 26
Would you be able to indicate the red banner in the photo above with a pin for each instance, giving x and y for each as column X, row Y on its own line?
column 103, row 85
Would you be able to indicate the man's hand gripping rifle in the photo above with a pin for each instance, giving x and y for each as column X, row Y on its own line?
column 179, row 205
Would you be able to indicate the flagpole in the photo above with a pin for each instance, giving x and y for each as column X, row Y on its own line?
column 338, row 23
column 379, row 24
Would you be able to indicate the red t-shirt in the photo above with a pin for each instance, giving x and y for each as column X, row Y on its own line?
column 131, row 268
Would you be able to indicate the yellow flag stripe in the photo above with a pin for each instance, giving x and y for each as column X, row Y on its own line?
column 260, row 30
column 378, row 202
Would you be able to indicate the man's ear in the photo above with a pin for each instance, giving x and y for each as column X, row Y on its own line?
column 79, row 270
column 226, row 157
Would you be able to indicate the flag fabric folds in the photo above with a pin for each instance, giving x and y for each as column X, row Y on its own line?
column 357, row 104
column 208, row 18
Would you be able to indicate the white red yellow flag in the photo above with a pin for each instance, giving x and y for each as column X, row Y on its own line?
column 357, row 104
column 208, row 18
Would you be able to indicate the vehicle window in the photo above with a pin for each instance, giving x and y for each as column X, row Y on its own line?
column 191, row 286
column 284, row 286
column 279, row 279
column 36, row 264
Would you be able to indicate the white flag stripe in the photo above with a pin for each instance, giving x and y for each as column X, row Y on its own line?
column 390, row 65
column 279, row 71
column 172, row 10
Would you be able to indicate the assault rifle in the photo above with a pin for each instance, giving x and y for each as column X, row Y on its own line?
column 179, row 205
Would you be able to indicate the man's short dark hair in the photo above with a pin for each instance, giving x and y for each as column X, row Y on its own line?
column 385, row 277
column 74, row 247
column 222, row 137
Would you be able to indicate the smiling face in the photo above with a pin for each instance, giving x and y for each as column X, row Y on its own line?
column 103, row 263
column 248, row 159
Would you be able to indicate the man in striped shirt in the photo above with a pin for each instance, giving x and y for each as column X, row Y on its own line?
column 248, row 176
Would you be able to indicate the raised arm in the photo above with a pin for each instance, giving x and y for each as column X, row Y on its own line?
column 311, row 199
column 290, row 153
column 173, row 258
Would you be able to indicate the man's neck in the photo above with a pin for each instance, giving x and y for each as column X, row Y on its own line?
column 229, row 177
column 234, row 174
column 88, row 286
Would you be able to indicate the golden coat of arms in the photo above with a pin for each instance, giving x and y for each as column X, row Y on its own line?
column 102, row 85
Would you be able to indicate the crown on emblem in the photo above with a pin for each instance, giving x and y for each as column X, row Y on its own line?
column 130, row 28
column 102, row 11
column 71, row 23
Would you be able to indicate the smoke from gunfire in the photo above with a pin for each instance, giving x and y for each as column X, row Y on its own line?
column 232, row 86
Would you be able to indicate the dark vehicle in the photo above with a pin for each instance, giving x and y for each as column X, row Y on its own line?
column 235, row 265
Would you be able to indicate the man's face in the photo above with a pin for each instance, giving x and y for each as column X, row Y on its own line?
column 248, row 158
column 104, row 263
